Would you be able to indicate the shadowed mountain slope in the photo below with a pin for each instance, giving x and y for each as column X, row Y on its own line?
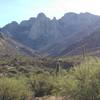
column 90, row 44
column 8, row 46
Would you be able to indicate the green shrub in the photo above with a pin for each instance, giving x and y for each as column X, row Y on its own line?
column 87, row 82
column 14, row 89
column 41, row 84
column 79, row 83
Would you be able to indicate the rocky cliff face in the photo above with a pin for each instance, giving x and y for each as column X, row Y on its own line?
column 51, row 37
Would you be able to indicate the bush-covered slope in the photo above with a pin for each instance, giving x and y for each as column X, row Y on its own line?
column 81, row 82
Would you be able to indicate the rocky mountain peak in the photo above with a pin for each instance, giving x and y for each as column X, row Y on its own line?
column 54, row 19
column 41, row 16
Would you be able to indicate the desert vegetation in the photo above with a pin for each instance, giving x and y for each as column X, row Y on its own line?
column 29, row 81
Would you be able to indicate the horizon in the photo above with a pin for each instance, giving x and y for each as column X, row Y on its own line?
column 19, row 10
column 52, row 17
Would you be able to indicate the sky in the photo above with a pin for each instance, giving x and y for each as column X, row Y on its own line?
column 18, row 10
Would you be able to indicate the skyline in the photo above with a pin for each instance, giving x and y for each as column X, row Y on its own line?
column 18, row 10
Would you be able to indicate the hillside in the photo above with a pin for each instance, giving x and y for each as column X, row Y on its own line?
column 9, row 47
column 90, row 45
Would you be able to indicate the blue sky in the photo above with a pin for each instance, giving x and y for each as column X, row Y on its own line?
column 18, row 10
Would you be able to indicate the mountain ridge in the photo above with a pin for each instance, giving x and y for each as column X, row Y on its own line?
column 51, row 37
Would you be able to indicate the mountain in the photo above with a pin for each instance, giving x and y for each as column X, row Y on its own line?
column 10, row 47
column 89, row 44
column 53, row 37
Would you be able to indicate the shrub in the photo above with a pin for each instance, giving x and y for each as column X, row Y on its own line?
column 87, row 82
column 79, row 83
column 41, row 84
column 14, row 89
